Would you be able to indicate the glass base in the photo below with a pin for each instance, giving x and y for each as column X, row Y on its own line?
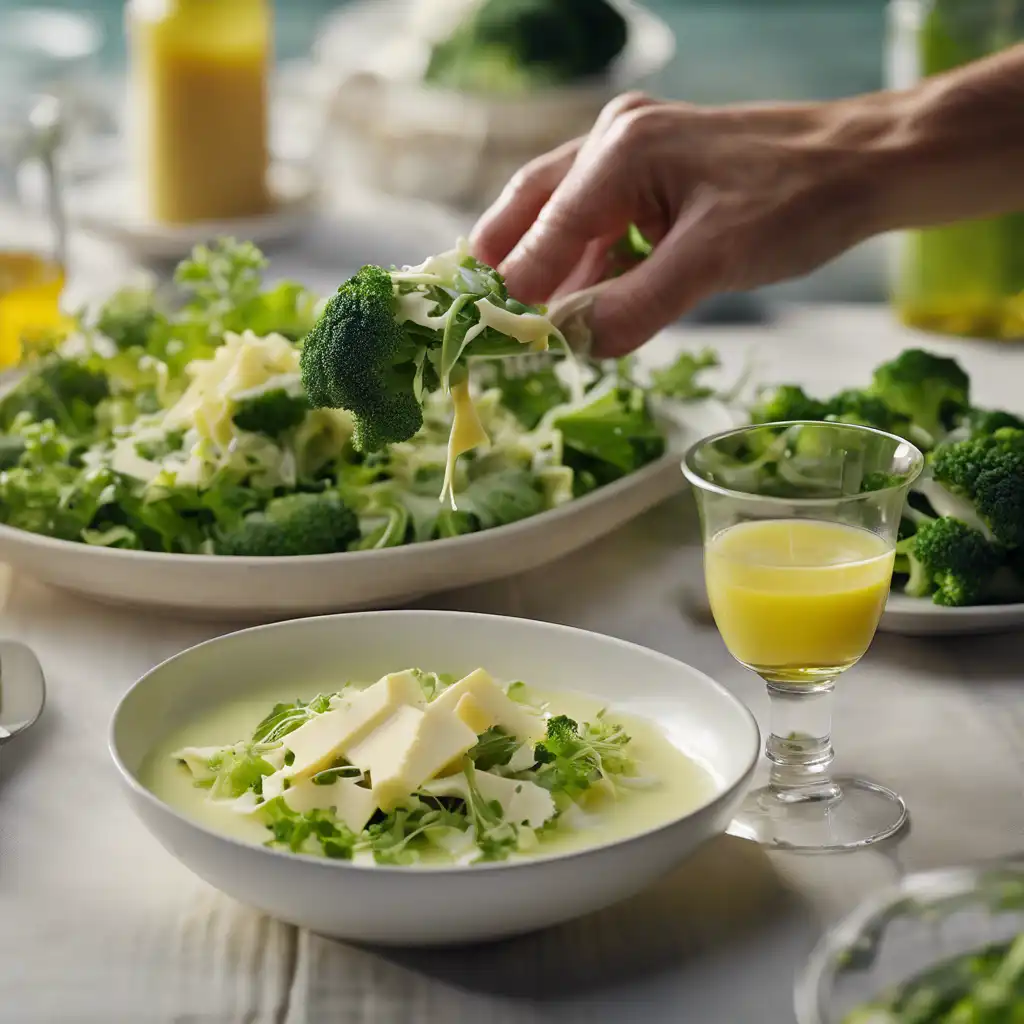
column 859, row 814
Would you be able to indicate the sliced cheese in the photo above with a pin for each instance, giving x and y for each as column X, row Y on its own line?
column 496, row 707
column 467, row 433
column 527, row 328
column 352, row 804
column 522, row 803
column 473, row 713
column 411, row 747
column 329, row 736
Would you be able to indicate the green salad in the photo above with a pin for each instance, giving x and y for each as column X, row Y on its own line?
column 418, row 766
column 984, row 988
column 962, row 535
column 240, row 419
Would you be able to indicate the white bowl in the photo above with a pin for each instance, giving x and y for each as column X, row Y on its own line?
column 408, row 139
column 440, row 906
column 258, row 589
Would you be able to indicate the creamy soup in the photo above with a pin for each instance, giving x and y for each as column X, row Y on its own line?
column 378, row 754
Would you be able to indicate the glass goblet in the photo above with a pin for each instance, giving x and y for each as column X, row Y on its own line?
column 799, row 523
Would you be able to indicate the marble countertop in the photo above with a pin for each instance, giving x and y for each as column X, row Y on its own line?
column 99, row 924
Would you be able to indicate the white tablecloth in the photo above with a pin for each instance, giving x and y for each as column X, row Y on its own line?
column 99, row 924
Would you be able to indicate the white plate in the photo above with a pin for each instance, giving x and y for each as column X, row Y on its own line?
column 261, row 588
column 265, row 588
column 442, row 906
column 916, row 616
column 106, row 207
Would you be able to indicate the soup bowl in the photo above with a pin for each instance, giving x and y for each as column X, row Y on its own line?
column 439, row 905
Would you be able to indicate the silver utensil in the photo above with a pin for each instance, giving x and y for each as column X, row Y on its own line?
column 22, row 689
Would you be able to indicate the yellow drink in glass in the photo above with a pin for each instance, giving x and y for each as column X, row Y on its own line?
column 799, row 522
column 797, row 600
column 30, row 290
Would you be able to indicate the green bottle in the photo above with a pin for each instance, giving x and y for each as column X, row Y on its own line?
column 965, row 279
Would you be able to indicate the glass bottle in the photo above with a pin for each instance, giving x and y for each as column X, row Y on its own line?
column 198, row 119
column 965, row 279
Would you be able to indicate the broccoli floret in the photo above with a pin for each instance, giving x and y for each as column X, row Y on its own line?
column 981, row 422
column 932, row 391
column 272, row 413
column 518, row 45
column 981, row 481
column 59, row 389
column 358, row 357
column 787, row 402
column 127, row 318
column 680, row 379
column 388, row 337
column 297, row 524
column 857, row 406
column 949, row 560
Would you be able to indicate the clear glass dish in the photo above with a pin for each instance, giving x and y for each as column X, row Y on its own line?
column 903, row 932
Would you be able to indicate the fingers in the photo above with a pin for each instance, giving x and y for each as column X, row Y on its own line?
column 518, row 206
column 591, row 201
column 686, row 268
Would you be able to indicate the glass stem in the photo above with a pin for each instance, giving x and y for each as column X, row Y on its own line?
column 800, row 745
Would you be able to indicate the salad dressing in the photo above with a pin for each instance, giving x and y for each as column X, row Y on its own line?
column 199, row 86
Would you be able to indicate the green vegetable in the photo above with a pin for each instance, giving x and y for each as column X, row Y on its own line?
column 931, row 391
column 238, row 769
column 986, row 987
column 513, row 46
column 286, row 718
column 529, row 396
column 572, row 759
column 680, row 379
column 317, row 831
column 493, row 748
column 297, row 524
column 981, row 481
column 611, row 434
column 364, row 356
column 981, row 422
column 60, row 389
column 495, row 837
column 132, row 437
column 787, row 402
column 273, row 412
column 949, row 561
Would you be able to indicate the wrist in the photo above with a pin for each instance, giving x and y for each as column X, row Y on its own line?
column 947, row 150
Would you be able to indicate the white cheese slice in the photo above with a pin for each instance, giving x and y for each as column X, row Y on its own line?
column 467, row 433
column 326, row 737
column 352, row 804
column 522, row 802
column 411, row 747
column 499, row 709
column 527, row 328
column 415, row 307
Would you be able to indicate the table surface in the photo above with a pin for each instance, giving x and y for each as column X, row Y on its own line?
column 99, row 924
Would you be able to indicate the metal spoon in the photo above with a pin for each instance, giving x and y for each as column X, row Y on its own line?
column 22, row 689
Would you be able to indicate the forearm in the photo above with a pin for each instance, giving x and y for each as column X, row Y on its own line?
column 950, row 149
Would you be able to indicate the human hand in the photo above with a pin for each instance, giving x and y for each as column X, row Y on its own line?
column 733, row 198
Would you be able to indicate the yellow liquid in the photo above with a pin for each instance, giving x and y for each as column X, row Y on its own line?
column 199, row 88
column 795, row 599
column 30, row 290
